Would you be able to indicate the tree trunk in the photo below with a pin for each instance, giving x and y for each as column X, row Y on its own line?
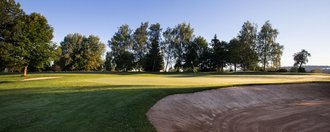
column 165, row 70
column 153, row 66
column 25, row 70
column 235, row 67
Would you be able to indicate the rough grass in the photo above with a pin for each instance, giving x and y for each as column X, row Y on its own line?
column 108, row 101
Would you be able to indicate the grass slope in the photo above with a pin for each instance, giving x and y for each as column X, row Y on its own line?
column 107, row 101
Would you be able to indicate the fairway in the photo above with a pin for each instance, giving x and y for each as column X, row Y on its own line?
column 108, row 101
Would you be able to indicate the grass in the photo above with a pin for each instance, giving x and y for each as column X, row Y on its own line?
column 108, row 101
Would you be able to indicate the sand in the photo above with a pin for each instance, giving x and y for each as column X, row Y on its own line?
column 271, row 108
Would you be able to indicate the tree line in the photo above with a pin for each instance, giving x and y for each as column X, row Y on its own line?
column 177, row 48
column 25, row 42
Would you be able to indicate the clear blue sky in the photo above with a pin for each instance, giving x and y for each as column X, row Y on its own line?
column 302, row 24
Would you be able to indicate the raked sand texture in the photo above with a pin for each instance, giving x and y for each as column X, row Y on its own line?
column 263, row 108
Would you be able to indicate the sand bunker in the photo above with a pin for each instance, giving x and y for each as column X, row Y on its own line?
column 39, row 78
column 271, row 108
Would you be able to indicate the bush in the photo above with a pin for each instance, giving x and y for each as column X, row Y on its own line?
column 294, row 69
column 282, row 70
column 56, row 68
column 301, row 69
column 317, row 70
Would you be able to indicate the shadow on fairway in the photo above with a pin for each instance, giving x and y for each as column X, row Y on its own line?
column 40, row 109
column 77, row 108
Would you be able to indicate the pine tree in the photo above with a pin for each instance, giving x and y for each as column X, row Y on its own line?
column 154, row 59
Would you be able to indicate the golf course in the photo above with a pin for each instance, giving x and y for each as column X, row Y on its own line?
column 109, row 101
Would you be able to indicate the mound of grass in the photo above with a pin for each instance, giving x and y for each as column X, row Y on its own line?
column 107, row 101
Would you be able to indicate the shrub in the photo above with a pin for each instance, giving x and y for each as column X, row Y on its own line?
column 294, row 69
column 56, row 68
column 282, row 70
column 301, row 69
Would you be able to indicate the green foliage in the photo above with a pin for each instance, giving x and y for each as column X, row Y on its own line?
column 25, row 40
column 277, row 51
column 248, row 40
column 121, row 49
column 140, row 44
column 269, row 51
column 154, row 59
column 80, row 53
column 167, row 47
column 301, row 69
column 183, row 36
column 195, row 50
column 234, row 50
column 108, row 62
column 10, row 15
column 125, row 62
column 282, row 70
column 301, row 58
column 294, row 69
column 206, row 60
column 220, row 53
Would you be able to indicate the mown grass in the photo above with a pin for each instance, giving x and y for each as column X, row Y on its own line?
column 108, row 101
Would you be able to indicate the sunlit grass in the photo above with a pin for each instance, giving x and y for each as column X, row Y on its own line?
column 108, row 101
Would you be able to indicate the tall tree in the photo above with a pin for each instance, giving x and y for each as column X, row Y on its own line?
column 92, row 54
column 277, row 51
column 267, row 46
column 220, row 53
column 71, row 52
column 248, row 40
column 121, row 49
column 10, row 13
column 301, row 58
column 154, row 59
column 234, row 52
column 167, row 47
column 206, row 60
column 108, row 62
column 184, row 35
column 140, row 44
column 80, row 53
column 194, row 53
column 25, row 40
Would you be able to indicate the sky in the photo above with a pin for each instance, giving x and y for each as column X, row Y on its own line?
column 302, row 24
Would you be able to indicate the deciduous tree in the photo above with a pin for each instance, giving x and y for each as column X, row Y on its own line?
column 269, row 51
column 194, row 53
column 301, row 58
column 80, row 53
column 121, row 49
column 25, row 40
column 183, row 36
column 234, row 52
column 167, row 47
column 248, row 40
column 140, row 44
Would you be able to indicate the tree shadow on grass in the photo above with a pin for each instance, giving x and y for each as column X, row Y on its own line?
column 5, row 82
column 103, row 109
column 74, row 88
column 100, row 110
